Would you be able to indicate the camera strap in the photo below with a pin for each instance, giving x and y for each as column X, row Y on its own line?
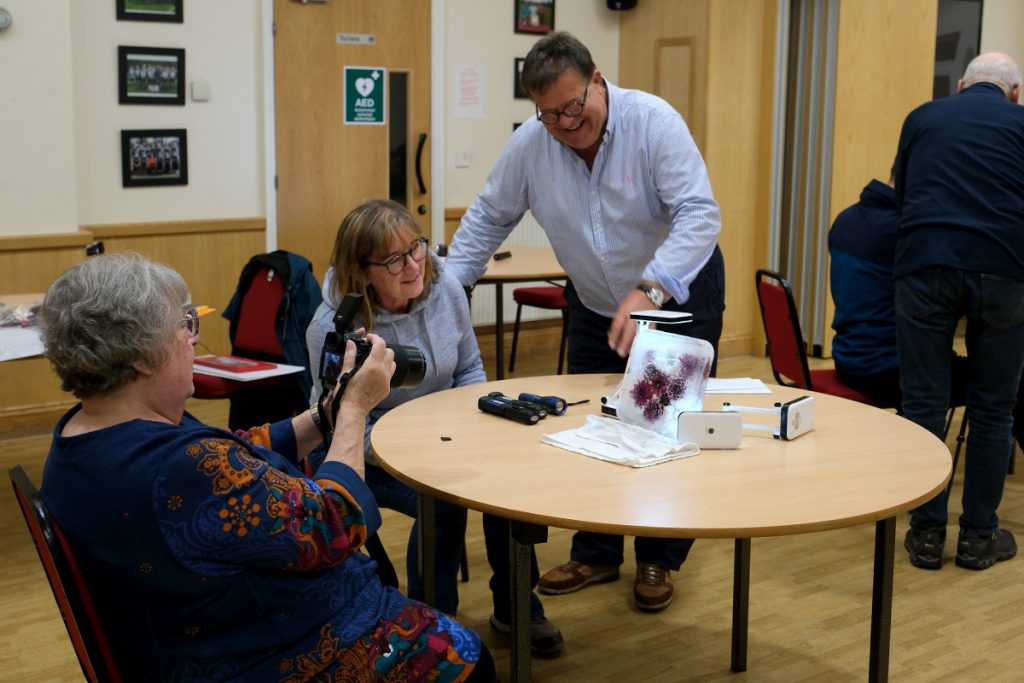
column 327, row 426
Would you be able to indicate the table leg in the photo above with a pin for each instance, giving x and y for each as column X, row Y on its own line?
column 881, row 600
column 522, row 536
column 740, row 603
column 428, row 569
column 499, row 329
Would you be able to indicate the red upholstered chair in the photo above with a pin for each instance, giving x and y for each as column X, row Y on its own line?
column 68, row 585
column 786, row 348
column 272, row 299
column 254, row 337
column 551, row 297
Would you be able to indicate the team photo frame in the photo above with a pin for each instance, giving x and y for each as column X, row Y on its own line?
column 151, row 10
column 534, row 16
column 150, row 75
column 154, row 157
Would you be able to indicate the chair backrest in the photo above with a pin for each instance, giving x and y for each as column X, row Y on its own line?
column 68, row 585
column 786, row 349
column 257, row 321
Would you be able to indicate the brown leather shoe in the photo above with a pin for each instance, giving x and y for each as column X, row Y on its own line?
column 572, row 576
column 653, row 587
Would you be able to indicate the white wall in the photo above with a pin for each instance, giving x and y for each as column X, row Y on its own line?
column 222, row 43
column 1002, row 22
column 60, row 121
column 37, row 114
column 480, row 32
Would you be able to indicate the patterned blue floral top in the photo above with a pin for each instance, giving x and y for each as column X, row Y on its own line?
column 213, row 559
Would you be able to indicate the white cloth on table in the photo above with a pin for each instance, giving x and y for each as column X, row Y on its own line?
column 609, row 439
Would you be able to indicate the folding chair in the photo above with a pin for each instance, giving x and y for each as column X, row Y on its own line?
column 552, row 298
column 786, row 348
column 67, row 583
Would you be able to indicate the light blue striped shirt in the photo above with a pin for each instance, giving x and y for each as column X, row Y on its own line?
column 645, row 212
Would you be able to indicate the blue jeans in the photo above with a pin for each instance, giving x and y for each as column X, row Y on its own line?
column 929, row 304
column 589, row 352
column 449, row 537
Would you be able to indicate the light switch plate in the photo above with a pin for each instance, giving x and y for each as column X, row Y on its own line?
column 200, row 91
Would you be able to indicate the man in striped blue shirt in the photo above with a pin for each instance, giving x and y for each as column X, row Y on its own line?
column 615, row 180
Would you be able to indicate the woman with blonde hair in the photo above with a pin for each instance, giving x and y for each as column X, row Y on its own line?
column 381, row 253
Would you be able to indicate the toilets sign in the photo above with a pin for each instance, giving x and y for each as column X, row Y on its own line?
column 365, row 95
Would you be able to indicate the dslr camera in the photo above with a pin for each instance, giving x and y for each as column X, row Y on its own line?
column 410, row 366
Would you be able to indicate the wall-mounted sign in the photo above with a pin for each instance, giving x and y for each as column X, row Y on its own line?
column 365, row 95
column 356, row 39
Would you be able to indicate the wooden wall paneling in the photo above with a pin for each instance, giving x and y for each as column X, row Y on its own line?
column 885, row 66
column 208, row 254
column 659, row 42
column 452, row 218
column 738, row 100
column 674, row 77
column 765, row 167
column 29, row 391
column 728, row 97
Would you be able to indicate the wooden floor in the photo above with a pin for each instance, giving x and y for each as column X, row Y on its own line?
column 809, row 608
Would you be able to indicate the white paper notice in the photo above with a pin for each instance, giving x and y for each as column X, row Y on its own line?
column 469, row 91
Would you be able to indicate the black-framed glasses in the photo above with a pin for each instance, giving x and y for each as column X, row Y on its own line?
column 190, row 321
column 572, row 110
column 396, row 264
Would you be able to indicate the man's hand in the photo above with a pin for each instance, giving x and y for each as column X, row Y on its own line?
column 622, row 331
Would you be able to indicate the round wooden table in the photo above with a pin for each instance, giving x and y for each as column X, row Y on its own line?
column 860, row 464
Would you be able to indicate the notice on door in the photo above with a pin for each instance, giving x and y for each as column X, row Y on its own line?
column 365, row 95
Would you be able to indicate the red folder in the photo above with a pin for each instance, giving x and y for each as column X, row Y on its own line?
column 234, row 363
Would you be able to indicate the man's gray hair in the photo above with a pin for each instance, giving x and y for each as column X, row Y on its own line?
column 993, row 67
column 106, row 314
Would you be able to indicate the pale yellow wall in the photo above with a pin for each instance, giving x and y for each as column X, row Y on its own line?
column 1002, row 28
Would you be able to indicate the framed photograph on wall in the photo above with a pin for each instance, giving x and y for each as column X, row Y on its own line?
column 150, row 75
column 518, row 91
column 534, row 16
column 151, row 10
column 154, row 157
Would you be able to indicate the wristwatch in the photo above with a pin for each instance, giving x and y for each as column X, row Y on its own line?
column 656, row 296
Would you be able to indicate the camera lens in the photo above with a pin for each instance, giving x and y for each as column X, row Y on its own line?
column 410, row 366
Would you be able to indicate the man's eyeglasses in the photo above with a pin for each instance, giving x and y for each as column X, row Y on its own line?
column 191, row 322
column 396, row 264
column 572, row 110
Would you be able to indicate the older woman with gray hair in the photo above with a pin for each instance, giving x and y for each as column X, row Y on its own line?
column 211, row 557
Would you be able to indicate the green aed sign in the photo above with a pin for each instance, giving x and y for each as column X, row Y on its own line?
column 365, row 95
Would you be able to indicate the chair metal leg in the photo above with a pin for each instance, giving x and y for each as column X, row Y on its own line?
column 565, row 338
column 960, row 438
column 464, row 563
column 515, row 340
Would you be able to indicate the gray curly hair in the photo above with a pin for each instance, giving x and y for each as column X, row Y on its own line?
column 106, row 314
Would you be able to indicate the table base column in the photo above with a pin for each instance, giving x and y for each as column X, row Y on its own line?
column 881, row 600
column 522, row 537
column 740, row 603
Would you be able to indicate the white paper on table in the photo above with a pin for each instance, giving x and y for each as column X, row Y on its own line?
column 736, row 385
column 20, row 342
column 278, row 369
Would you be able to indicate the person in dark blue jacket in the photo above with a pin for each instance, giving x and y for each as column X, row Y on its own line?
column 960, row 254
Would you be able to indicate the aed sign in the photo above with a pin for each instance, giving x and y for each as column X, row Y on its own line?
column 365, row 95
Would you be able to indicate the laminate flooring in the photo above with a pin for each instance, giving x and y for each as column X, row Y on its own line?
column 810, row 598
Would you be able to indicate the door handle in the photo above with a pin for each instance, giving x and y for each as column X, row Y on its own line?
column 419, row 159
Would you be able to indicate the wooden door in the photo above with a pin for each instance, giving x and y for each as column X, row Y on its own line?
column 324, row 166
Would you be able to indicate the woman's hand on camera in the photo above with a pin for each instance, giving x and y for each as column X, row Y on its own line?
column 371, row 382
